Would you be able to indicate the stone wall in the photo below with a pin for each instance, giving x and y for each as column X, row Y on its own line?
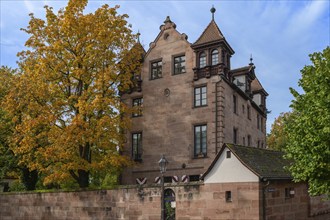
column 319, row 205
column 295, row 205
column 124, row 203
column 194, row 201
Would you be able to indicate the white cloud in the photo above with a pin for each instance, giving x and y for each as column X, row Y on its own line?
column 29, row 5
column 306, row 17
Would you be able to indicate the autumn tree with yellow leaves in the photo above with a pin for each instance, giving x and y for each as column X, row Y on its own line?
column 71, row 116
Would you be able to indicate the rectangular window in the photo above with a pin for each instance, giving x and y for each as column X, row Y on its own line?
column 258, row 121
column 137, row 146
column 202, row 60
column 235, row 104
column 249, row 140
column 228, row 154
column 156, row 70
column 137, row 104
column 200, row 136
column 235, row 136
column 289, row 192
column 248, row 112
column 228, row 196
column 243, row 141
column 194, row 178
column 179, row 65
column 261, row 124
column 200, row 96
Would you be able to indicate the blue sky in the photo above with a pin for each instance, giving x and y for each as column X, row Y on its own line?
column 278, row 34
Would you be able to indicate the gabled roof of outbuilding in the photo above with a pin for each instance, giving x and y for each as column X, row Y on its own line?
column 266, row 164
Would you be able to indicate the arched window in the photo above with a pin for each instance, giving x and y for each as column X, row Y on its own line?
column 169, row 202
column 215, row 57
column 202, row 60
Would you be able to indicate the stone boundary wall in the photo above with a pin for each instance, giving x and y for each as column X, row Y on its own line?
column 319, row 205
column 123, row 203
column 194, row 201
column 297, row 205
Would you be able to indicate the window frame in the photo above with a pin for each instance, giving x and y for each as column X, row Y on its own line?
column 182, row 68
column 204, row 61
column 138, row 146
column 235, row 104
column 200, row 96
column 215, row 57
column 139, row 103
column 158, row 68
column 235, row 135
column 228, row 196
column 248, row 112
column 199, row 151
column 249, row 140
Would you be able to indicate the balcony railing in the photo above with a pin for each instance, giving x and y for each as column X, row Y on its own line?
column 208, row 71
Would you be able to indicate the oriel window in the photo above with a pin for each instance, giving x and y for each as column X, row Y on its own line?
column 202, row 60
column 215, row 57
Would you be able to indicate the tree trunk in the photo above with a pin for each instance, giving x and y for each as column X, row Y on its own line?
column 83, row 178
column 29, row 178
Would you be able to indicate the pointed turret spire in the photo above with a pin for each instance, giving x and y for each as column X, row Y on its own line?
column 251, row 59
column 138, row 36
column 213, row 11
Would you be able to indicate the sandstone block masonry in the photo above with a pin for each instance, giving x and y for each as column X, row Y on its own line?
column 192, row 201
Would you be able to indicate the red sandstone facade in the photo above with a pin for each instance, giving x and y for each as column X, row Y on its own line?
column 190, row 102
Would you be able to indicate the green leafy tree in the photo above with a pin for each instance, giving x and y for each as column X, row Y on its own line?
column 277, row 138
column 308, row 130
column 71, row 112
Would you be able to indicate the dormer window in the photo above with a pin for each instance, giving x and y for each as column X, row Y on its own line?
column 223, row 56
column 215, row 57
column 202, row 60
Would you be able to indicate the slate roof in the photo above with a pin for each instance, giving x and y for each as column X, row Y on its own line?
column 211, row 33
column 256, row 86
column 266, row 164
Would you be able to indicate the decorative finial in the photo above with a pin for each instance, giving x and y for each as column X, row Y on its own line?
column 212, row 11
column 138, row 36
column 251, row 59
column 167, row 20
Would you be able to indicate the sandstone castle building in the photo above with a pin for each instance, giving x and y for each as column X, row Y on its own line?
column 189, row 101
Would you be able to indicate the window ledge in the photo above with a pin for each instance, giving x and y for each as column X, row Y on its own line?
column 201, row 106
column 156, row 78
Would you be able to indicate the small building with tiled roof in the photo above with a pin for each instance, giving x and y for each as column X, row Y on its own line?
column 235, row 163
